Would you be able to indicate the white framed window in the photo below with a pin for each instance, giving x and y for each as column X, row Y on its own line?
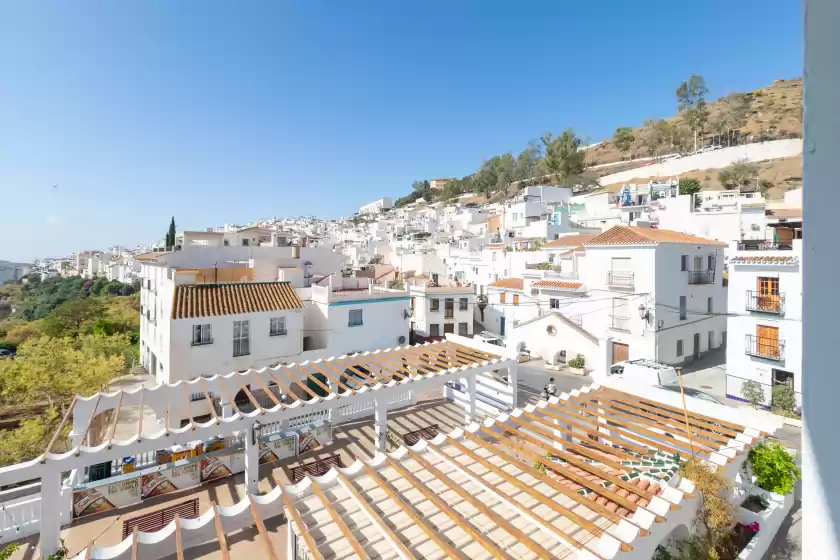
column 462, row 304
column 202, row 334
column 434, row 305
column 277, row 326
column 241, row 338
column 463, row 329
column 434, row 329
column 554, row 303
column 354, row 318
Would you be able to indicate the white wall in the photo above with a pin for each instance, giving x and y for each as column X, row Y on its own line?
column 540, row 343
column 384, row 324
column 423, row 316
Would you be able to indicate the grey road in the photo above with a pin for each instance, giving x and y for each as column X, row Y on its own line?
column 533, row 376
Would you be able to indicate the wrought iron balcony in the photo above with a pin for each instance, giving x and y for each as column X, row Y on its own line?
column 765, row 303
column 767, row 348
column 761, row 245
column 701, row 276
column 620, row 279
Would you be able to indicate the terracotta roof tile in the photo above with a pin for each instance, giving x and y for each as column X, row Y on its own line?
column 634, row 235
column 569, row 254
column 571, row 240
column 557, row 285
column 764, row 260
column 783, row 212
column 511, row 283
column 208, row 300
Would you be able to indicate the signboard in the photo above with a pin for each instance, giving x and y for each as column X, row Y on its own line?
column 214, row 468
column 106, row 497
column 278, row 449
column 314, row 436
column 170, row 480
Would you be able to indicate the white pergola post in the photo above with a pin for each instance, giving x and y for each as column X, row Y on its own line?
column 381, row 424
column 472, row 389
column 513, row 379
column 252, row 460
column 227, row 409
column 50, row 512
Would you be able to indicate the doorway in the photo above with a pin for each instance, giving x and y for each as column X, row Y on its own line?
column 696, row 345
column 502, row 326
column 620, row 352
column 449, row 328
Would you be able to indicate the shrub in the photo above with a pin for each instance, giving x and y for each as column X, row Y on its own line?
column 577, row 362
column 774, row 468
column 753, row 392
column 539, row 466
column 783, row 399
column 689, row 186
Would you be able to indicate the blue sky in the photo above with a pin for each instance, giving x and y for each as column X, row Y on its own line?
column 221, row 112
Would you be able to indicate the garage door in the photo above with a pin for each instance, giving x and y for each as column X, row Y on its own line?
column 621, row 352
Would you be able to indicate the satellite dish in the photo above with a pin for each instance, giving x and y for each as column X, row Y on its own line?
column 401, row 340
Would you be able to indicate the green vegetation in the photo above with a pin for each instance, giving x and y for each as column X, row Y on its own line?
column 712, row 538
column 689, row 186
column 623, row 139
column 753, row 392
column 72, row 336
column 577, row 362
column 739, row 174
column 774, row 468
column 170, row 235
column 783, row 401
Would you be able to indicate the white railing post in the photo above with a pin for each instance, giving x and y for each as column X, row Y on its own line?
column 50, row 512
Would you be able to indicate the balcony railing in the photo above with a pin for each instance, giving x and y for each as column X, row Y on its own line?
column 701, row 276
column 620, row 323
column 765, row 303
column 758, row 245
column 767, row 348
column 621, row 279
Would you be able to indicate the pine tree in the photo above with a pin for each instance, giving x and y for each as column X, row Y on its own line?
column 170, row 235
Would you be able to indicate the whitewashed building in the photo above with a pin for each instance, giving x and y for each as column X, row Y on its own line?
column 764, row 327
column 377, row 206
column 440, row 309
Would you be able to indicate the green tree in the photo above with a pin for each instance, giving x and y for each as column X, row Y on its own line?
column 73, row 317
column 689, row 186
column 774, row 468
column 113, row 288
column 653, row 137
column 623, row 139
column 563, row 157
column 528, row 166
column 738, row 175
column 783, row 399
column 170, row 234
column 736, row 112
column 97, row 286
column 29, row 440
column 691, row 100
column 753, row 392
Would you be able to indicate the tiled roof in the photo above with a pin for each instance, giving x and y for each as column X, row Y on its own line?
column 209, row 300
column 512, row 283
column 634, row 235
column 764, row 260
column 783, row 212
column 571, row 240
column 150, row 256
column 557, row 285
column 572, row 252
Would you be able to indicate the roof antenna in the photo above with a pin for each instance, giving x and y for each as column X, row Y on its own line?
column 215, row 273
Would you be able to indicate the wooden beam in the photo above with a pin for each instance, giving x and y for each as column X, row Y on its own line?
column 188, row 402
column 590, row 427
column 110, row 438
column 220, row 533
column 267, row 390
column 225, row 393
column 503, row 523
column 389, row 367
column 283, row 387
column 298, row 523
column 336, row 517
column 269, row 550
column 208, row 400
column 588, row 442
column 249, row 395
column 338, row 382
column 361, row 361
column 432, row 532
column 429, row 357
column 287, row 372
column 371, row 381
column 553, row 483
column 618, row 426
column 566, row 473
column 479, row 354
column 88, row 424
column 476, row 534
column 519, row 485
column 696, row 415
column 179, row 545
column 417, row 359
column 376, row 519
column 401, row 363
column 591, row 469
column 694, row 422
column 57, row 433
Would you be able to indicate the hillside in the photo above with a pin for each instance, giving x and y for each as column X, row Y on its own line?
column 774, row 112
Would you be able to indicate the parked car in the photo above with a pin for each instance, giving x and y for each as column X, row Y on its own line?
column 695, row 393
column 6, row 353
column 646, row 372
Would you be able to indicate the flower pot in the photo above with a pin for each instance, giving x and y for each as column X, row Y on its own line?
column 577, row 371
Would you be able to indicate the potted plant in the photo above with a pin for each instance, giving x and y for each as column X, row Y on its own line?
column 482, row 305
column 577, row 365
column 773, row 467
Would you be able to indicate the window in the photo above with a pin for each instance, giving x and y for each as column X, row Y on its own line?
column 462, row 304
column 434, row 330
column 244, row 242
column 711, row 263
column 679, row 348
column 710, row 306
column 241, row 338
column 684, row 262
column 355, row 318
column 515, row 299
column 554, row 303
column 502, row 297
column 202, row 334
column 434, row 305
column 683, row 311
column 463, row 329
column 449, row 308
column 277, row 326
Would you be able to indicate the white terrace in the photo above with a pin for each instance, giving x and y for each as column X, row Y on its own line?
column 279, row 398
column 607, row 486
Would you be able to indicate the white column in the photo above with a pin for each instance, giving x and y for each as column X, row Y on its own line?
column 381, row 424
column 513, row 382
column 227, row 410
column 50, row 512
column 472, row 388
column 252, row 460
